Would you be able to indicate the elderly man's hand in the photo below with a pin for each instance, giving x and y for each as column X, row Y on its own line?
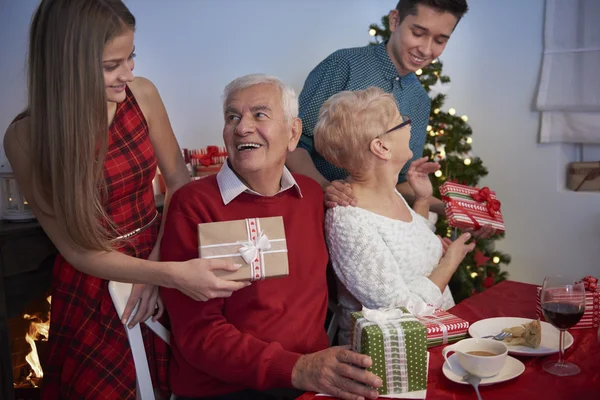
column 339, row 193
column 336, row 371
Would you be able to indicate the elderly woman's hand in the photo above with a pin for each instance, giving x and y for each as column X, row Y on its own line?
column 446, row 242
column 485, row 232
column 339, row 193
column 418, row 177
column 457, row 250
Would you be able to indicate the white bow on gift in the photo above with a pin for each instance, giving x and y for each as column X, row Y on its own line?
column 419, row 308
column 250, row 251
column 416, row 308
column 382, row 315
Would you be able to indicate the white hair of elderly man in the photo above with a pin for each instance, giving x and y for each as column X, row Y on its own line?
column 289, row 100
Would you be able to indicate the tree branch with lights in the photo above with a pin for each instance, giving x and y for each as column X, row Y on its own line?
column 449, row 140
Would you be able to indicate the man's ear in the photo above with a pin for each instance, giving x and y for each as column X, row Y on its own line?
column 394, row 19
column 295, row 133
column 379, row 149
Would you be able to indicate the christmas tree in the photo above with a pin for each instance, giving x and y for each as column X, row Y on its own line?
column 449, row 143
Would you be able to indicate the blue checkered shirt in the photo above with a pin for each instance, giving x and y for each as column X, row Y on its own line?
column 357, row 69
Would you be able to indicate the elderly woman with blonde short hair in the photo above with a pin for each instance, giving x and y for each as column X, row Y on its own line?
column 383, row 252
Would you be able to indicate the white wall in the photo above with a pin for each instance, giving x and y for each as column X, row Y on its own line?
column 494, row 69
column 191, row 49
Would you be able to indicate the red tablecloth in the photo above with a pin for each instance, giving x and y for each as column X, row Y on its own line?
column 514, row 299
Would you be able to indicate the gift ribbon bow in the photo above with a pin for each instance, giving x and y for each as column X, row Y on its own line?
column 590, row 283
column 207, row 158
column 427, row 312
column 251, row 250
column 485, row 195
column 383, row 315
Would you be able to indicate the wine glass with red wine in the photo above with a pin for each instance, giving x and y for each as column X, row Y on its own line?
column 563, row 304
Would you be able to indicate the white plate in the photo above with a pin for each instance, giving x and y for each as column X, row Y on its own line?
column 550, row 335
column 512, row 369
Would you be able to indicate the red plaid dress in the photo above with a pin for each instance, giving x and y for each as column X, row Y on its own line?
column 89, row 355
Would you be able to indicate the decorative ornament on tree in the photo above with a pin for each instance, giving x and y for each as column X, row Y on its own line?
column 480, row 258
column 438, row 88
column 430, row 147
column 489, row 281
column 440, row 152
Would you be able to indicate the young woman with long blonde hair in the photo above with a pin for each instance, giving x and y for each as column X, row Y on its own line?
column 84, row 153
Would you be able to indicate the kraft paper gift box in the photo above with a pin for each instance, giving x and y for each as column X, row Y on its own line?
column 591, row 315
column 584, row 176
column 397, row 344
column 468, row 207
column 258, row 244
column 443, row 327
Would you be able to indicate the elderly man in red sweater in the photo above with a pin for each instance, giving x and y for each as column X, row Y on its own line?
column 266, row 341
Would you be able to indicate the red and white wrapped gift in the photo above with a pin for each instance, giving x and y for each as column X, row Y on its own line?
column 443, row 327
column 207, row 161
column 591, row 315
column 468, row 207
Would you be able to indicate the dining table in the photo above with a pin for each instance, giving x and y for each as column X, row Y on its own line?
column 516, row 299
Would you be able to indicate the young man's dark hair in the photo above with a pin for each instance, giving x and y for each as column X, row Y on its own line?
column 458, row 8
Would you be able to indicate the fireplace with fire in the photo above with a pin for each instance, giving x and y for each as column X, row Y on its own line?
column 29, row 334
column 26, row 258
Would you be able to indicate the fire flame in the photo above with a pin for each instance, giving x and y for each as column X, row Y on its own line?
column 38, row 330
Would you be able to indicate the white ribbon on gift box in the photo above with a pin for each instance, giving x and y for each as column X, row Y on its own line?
column 422, row 309
column 384, row 315
column 250, row 250
column 416, row 308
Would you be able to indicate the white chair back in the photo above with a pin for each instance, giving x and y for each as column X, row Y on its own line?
column 119, row 292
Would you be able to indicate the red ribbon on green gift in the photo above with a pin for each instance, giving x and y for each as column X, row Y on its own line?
column 485, row 195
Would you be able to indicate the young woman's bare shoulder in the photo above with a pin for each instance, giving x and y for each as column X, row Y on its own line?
column 145, row 93
column 16, row 138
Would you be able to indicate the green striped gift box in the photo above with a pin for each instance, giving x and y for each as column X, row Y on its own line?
column 397, row 343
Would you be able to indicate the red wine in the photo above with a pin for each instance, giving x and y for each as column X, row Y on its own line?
column 562, row 315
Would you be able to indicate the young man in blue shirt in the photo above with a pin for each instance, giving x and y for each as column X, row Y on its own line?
column 420, row 31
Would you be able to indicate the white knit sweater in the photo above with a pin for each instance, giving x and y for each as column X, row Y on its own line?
column 382, row 262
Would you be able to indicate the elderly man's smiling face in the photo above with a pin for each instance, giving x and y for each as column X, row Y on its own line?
column 256, row 133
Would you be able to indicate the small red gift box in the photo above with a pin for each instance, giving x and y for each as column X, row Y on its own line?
column 591, row 315
column 468, row 207
column 443, row 327
column 206, row 161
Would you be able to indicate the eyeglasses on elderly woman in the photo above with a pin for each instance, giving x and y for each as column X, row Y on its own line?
column 405, row 121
